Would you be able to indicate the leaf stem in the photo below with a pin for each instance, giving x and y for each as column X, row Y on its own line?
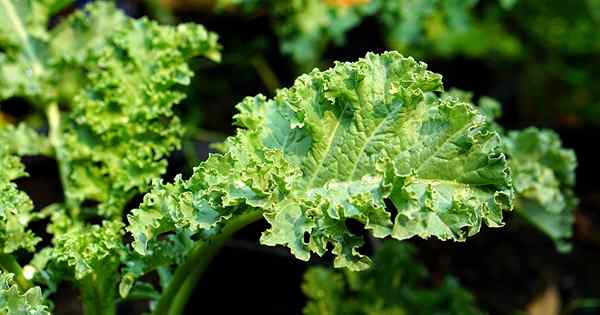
column 186, row 276
column 9, row 263
column 56, row 140
column 266, row 73
column 97, row 295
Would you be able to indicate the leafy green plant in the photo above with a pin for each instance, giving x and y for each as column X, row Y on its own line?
column 421, row 27
column 396, row 285
column 376, row 141
column 543, row 174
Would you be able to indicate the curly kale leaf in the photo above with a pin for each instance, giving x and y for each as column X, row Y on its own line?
column 122, row 126
column 15, row 206
column 395, row 285
column 88, row 249
column 543, row 176
column 167, row 252
column 22, row 140
column 15, row 302
column 333, row 148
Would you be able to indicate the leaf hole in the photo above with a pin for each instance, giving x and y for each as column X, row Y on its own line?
column 354, row 226
column 391, row 208
column 306, row 238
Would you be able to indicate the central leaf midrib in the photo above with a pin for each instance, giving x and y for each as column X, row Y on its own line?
column 444, row 142
column 328, row 151
column 370, row 138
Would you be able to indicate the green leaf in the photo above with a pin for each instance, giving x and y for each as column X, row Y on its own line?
column 333, row 148
column 22, row 140
column 395, row 285
column 324, row 290
column 171, row 250
column 15, row 302
column 445, row 28
column 543, row 176
column 306, row 27
column 15, row 206
column 22, row 44
column 122, row 127
column 508, row 4
column 88, row 249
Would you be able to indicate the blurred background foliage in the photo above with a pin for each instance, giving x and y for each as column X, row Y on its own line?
column 539, row 58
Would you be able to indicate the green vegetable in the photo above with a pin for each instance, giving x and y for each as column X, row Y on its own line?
column 306, row 28
column 394, row 286
column 16, row 301
column 376, row 142
column 332, row 148
column 543, row 174
column 543, row 177
column 15, row 207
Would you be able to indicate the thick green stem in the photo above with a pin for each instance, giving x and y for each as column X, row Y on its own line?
column 186, row 276
column 9, row 264
column 98, row 295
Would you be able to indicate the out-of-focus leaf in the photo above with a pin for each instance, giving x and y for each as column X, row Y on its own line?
column 23, row 55
column 543, row 176
column 394, row 286
column 424, row 27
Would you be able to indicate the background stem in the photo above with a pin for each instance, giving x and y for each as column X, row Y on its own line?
column 186, row 276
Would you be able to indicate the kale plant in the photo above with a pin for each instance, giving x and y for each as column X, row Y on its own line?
column 376, row 141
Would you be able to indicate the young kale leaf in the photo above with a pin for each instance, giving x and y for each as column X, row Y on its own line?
column 543, row 177
column 15, row 206
column 14, row 301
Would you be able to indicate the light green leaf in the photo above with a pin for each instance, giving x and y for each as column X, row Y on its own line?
column 22, row 39
column 543, row 176
column 15, row 206
column 22, row 140
column 122, row 126
column 508, row 4
column 15, row 302
column 89, row 249
column 333, row 148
